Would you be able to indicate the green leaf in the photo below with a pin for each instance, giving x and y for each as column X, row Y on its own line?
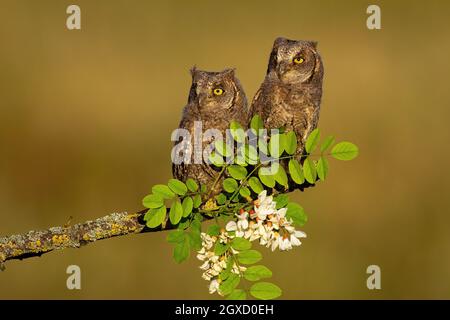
column 191, row 185
column 153, row 201
column 194, row 235
column 223, row 148
column 183, row 224
column 309, row 170
column 249, row 256
column 188, row 205
column 155, row 217
column 230, row 185
column 195, row 240
column 228, row 285
column 240, row 244
column 276, row 145
column 220, row 248
column 256, row 124
column 226, row 273
column 237, row 132
column 326, row 143
column 345, row 151
column 216, row 159
column 234, row 125
column 197, row 201
column 263, row 146
column 290, row 144
column 240, row 156
column 213, row 230
column 221, row 199
column 266, row 179
column 244, row 192
column 204, row 188
column 255, row 184
column 237, row 172
column 282, row 200
column 280, row 176
column 176, row 212
column 265, row 290
column 176, row 236
column 251, row 154
column 312, row 141
column 322, row 168
column 196, row 224
column 163, row 191
column 295, row 170
column 237, row 294
column 182, row 250
column 177, row 186
column 256, row 273
column 297, row 214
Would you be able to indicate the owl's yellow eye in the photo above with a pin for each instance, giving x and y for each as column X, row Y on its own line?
column 218, row 91
column 299, row 60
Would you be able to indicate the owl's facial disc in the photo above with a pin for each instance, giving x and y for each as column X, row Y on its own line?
column 215, row 94
column 214, row 91
column 295, row 62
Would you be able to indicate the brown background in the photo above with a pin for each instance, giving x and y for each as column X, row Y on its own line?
column 86, row 118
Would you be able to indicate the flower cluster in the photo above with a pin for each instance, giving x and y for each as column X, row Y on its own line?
column 214, row 264
column 264, row 222
column 267, row 224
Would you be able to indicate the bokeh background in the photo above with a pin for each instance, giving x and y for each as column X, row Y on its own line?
column 86, row 117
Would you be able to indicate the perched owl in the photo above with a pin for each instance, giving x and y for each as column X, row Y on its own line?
column 215, row 99
column 290, row 95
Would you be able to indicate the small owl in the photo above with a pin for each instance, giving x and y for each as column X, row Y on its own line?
column 290, row 95
column 215, row 99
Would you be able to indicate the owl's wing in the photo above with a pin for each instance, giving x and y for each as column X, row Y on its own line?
column 267, row 104
column 256, row 105
column 305, row 120
column 201, row 172
column 180, row 171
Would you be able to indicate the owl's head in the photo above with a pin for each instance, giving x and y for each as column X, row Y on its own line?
column 294, row 61
column 213, row 90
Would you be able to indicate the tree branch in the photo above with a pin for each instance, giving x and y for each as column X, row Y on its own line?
column 36, row 243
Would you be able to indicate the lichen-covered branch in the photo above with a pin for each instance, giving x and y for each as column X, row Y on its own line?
column 36, row 243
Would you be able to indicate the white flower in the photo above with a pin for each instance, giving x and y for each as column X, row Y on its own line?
column 238, row 270
column 299, row 234
column 231, row 226
column 284, row 243
column 206, row 276
column 295, row 241
column 205, row 265
column 295, row 237
column 241, row 226
column 274, row 245
column 264, row 206
column 214, row 286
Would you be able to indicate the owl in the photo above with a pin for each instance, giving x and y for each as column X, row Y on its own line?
column 290, row 95
column 215, row 99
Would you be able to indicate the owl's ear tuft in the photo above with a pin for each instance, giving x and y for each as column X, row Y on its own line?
column 280, row 41
column 229, row 72
column 313, row 44
column 193, row 70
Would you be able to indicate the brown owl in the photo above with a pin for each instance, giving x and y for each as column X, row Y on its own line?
column 215, row 99
column 290, row 95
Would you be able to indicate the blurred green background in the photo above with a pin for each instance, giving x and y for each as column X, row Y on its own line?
column 86, row 118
